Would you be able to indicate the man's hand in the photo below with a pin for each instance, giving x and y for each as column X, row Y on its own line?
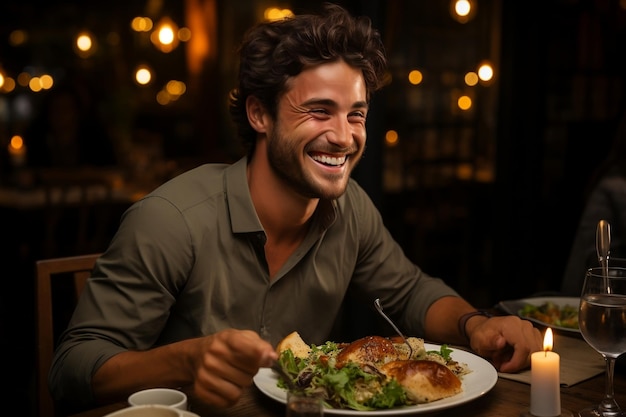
column 506, row 341
column 229, row 360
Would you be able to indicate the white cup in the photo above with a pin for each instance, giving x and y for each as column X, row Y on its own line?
column 152, row 410
column 161, row 396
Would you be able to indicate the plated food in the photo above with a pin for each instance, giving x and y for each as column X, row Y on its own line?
column 552, row 314
column 478, row 382
column 372, row 373
column 559, row 313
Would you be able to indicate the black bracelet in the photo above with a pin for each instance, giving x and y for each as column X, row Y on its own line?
column 465, row 317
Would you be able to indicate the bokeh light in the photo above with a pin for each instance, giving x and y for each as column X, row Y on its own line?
column 415, row 77
column 391, row 138
column 464, row 102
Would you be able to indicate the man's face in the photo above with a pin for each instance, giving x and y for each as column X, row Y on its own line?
column 319, row 134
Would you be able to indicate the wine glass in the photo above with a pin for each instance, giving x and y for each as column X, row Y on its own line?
column 602, row 322
column 301, row 405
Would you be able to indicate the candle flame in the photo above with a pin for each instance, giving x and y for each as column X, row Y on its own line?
column 548, row 340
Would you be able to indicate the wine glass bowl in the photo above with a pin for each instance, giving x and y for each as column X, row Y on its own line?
column 602, row 322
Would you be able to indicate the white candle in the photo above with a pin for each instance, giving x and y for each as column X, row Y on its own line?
column 545, row 389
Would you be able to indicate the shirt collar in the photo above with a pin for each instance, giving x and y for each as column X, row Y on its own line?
column 243, row 217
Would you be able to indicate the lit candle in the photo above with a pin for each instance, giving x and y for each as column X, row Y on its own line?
column 545, row 390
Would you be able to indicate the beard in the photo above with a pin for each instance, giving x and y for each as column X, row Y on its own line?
column 284, row 160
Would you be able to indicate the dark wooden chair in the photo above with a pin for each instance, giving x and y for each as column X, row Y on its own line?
column 59, row 282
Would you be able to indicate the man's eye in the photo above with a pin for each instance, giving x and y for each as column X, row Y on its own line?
column 319, row 111
column 358, row 115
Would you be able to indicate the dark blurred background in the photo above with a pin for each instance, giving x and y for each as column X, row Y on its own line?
column 481, row 181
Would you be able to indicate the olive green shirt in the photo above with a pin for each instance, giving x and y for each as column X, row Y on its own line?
column 188, row 260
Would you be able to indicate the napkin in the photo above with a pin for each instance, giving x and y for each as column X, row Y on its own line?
column 579, row 362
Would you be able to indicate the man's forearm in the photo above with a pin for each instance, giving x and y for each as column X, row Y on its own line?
column 127, row 372
column 442, row 320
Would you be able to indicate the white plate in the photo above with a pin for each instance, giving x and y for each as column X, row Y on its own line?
column 475, row 384
column 514, row 306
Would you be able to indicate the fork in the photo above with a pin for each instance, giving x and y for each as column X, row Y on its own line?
column 379, row 307
column 276, row 367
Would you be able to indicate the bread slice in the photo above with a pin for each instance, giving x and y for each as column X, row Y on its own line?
column 424, row 381
column 369, row 350
column 294, row 342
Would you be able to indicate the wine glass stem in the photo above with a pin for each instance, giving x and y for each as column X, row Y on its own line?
column 608, row 404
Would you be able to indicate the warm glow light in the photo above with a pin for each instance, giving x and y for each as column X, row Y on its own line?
column 18, row 37
column 46, row 81
column 17, row 150
column 548, row 340
column 164, row 35
column 465, row 171
column 141, row 24
column 485, row 71
column 176, row 88
column 471, row 78
column 415, row 77
column 9, row 85
column 23, row 78
column 16, row 143
column 84, row 45
column 391, row 138
column 274, row 13
column 462, row 10
column 464, row 103
column 143, row 75
column 184, row 34
column 462, row 7
column 83, row 42
column 1, row 80
column 171, row 92
column 35, row 84
column 163, row 98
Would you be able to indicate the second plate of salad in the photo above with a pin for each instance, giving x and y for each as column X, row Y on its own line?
column 558, row 313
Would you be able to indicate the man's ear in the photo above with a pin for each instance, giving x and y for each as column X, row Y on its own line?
column 257, row 115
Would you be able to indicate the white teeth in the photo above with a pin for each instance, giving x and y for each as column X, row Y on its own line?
column 327, row 160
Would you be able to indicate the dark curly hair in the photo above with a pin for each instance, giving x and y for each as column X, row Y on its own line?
column 272, row 52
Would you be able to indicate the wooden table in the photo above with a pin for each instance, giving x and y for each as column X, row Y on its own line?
column 507, row 399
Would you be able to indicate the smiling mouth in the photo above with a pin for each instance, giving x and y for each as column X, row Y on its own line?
column 331, row 161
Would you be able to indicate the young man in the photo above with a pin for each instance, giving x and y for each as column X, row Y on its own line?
column 211, row 270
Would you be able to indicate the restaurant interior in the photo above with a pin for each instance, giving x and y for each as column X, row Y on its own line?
column 479, row 152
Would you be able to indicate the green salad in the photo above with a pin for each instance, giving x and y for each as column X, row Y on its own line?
column 552, row 314
column 361, row 387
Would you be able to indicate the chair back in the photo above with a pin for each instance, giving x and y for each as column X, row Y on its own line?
column 59, row 282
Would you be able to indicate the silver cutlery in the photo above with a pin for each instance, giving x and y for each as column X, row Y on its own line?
column 379, row 307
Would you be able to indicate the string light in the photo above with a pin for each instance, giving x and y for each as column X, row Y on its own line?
column 165, row 35
column 462, row 10
column 143, row 75
column 415, row 77
column 485, row 72
column 84, row 44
